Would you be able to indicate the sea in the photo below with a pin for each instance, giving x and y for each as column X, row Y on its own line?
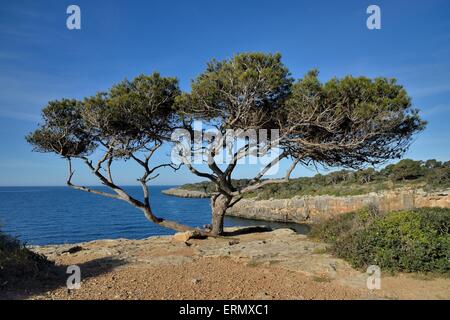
column 58, row 215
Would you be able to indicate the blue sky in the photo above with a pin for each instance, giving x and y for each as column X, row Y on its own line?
column 41, row 60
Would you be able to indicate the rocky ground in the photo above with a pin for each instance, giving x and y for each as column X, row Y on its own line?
column 266, row 265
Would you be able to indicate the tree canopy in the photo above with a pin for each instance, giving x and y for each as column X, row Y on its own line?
column 243, row 92
column 63, row 130
column 349, row 121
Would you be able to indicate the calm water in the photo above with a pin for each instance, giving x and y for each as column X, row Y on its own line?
column 51, row 215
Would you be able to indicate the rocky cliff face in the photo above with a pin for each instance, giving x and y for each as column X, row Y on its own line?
column 183, row 193
column 314, row 208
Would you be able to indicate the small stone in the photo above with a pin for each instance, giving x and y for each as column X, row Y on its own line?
column 195, row 281
column 185, row 236
column 283, row 232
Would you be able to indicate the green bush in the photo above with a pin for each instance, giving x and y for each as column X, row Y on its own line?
column 17, row 263
column 333, row 229
column 438, row 177
column 409, row 241
column 407, row 169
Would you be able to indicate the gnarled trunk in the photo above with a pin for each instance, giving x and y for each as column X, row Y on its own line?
column 165, row 223
column 219, row 206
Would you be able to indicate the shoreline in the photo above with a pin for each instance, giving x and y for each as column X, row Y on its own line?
column 184, row 193
column 311, row 209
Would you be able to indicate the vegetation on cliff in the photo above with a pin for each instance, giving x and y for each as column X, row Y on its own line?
column 410, row 241
column 17, row 263
column 429, row 175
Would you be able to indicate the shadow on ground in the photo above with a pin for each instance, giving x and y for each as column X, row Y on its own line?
column 247, row 230
column 54, row 277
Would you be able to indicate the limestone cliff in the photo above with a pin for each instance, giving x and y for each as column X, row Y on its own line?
column 183, row 193
column 314, row 208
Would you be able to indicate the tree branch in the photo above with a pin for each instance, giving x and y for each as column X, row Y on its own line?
column 83, row 188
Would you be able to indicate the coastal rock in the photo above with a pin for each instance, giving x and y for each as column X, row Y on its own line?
column 185, row 236
column 183, row 193
column 316, row 208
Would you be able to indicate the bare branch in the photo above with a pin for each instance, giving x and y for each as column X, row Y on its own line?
column 83, row 188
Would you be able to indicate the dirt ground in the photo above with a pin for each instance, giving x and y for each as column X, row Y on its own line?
column 269, row 265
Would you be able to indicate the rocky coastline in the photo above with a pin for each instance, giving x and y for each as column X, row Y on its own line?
column 310, row 209
column 184, row 193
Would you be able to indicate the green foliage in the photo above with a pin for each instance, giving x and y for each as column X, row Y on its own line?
column 432, row 163
column 407, row 169
column 63, row 130
column 409, row 241
column 242, row 92
column 135, row 111
column 17, row 263
column 204, row 186
column 131, row 115
column 354, row 120
column 438, row 177
column 346, row 223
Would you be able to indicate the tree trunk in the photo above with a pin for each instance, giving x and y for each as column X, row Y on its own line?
column 219, row 206
column 165, row 223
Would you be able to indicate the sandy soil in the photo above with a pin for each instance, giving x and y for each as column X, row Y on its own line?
column 270, row 265
column 207, row 278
